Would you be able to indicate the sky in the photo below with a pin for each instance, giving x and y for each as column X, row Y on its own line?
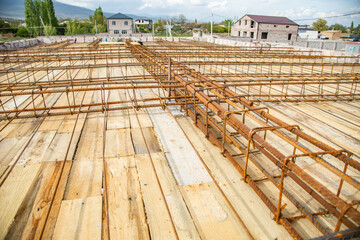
column 232, row 9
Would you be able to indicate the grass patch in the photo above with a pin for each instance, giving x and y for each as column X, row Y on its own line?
column 11, row 39
column 173, row 35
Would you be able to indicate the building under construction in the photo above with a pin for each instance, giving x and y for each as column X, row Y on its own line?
column 178, row 140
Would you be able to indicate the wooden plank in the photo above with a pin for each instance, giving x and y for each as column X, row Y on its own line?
column 150, row 137
column 143, row 117
column 39, row 197
column 10, row 148
column 118, row 143
column 245, row 201
column 183, row 222
column 79, row 219
column 51, row 123
column 211, row 214
column 23, row 127
column 118, row 119
column 90, row 144
column 127, row 218
column 183, row 160
column 85, row 179
column 56, row 150
column 36, row 149
column 158, row 218
column 54, row 212
column 13, row 192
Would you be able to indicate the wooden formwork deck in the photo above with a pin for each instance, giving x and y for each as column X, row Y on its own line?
column 151, row 170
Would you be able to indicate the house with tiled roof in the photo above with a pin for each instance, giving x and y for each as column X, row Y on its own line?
column 267, row 28
column 120, row 25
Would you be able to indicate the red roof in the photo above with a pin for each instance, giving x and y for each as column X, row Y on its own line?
column 271, row 19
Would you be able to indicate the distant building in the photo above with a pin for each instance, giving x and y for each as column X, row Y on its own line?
column 331, row 34
column 309, row 33
column 120, row 24
column 265, row 28
column 144, row 23
column 352, row 47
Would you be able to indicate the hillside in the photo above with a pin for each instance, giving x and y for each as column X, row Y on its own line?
column 15, row 9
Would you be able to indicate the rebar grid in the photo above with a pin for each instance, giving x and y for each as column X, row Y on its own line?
column 210, row 115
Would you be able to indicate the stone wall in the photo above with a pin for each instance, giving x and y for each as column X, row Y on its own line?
column 21, row 43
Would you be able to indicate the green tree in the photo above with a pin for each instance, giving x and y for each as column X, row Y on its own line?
column 320, row 25
column 219, row 29
column 44, row 13
column 72, row 27
column 100, row 28
column 22, row 32
column 352, row 27
column 50, row 30
column 98, row 17
column 338, row 26
column 51, row 13
column 35, row 10
column 5, row 27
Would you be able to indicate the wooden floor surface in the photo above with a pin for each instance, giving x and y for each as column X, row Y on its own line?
column 151, row 170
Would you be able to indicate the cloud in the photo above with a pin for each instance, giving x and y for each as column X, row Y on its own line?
column 218, row 5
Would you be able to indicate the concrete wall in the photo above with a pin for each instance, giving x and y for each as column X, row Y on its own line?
column 246, row 27
column 278, row 32
column 308, row 34
column 120, row 26
column 232, row 42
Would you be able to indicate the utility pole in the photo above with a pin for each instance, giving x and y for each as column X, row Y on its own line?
column 212, row 16
column 153, row 28
column 170, row 29
column 43, row 26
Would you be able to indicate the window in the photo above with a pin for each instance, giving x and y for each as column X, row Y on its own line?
column 124, row 32
column 239, row 33
column 116, row 31
column 287, row 26
column 252, row 24
column 251, row 34
column 239, row 22
column 245, row 34
column 264, row 35
column 275, row 25
column 245, row 22
column 289, row 36
column 113, row 23
column 126, row 23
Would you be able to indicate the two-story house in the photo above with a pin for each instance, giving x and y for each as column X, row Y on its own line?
column 265, row 28
column 120, row 24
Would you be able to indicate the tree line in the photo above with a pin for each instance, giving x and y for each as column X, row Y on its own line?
column 40, row 19
column 321, row 25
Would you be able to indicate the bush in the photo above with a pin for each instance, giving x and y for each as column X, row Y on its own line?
column 50, row 30
column 22, row 32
